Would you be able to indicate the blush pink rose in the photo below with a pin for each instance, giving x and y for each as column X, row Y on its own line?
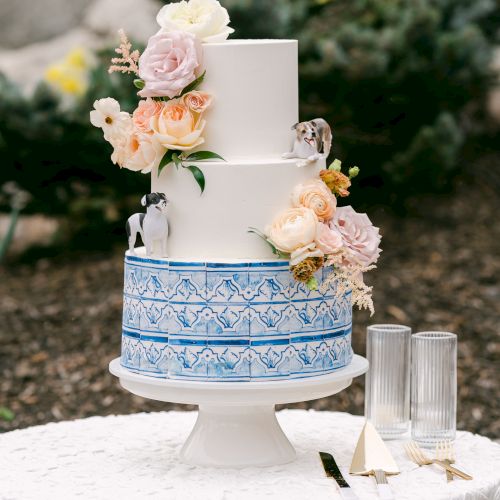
column 328, row 240
column 360, row 238
column 169, row 63
column 143, row 113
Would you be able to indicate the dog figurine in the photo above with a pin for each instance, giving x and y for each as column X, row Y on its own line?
column 152, row 226
column 313, row 141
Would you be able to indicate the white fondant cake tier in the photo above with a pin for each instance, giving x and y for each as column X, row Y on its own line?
column 238, row 195
column 230, row 321
column 255, row 89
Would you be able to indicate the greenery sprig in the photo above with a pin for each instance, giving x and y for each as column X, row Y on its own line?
column 178, row 158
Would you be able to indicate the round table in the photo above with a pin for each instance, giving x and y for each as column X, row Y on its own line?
column 136, row 457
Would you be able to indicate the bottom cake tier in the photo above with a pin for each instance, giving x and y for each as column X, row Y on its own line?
column 230, row 321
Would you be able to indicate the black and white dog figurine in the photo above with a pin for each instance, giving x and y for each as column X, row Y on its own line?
column 152, row 226
column 313, row 141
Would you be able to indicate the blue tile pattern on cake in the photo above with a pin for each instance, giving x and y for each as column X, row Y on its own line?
column 230, row 322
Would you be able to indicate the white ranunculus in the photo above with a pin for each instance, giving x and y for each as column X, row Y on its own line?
column 293, row 228
column 108, row 116
column 206, row 19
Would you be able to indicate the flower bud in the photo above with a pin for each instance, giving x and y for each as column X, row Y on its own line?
column 336, row 166
column 353, row 172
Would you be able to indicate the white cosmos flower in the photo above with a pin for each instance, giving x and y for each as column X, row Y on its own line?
column 108, row 116
column 206, row 19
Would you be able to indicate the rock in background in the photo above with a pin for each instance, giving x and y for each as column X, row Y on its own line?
column 34, row 35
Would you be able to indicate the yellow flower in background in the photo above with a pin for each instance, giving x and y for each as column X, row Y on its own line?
column 70, row 76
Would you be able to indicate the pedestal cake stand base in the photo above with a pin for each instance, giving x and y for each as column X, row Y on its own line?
column 237, row 425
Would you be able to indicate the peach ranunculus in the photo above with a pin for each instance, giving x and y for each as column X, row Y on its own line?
column 169, row 63
column 142, row 115
column 328, row 240
column 175, row 127
column 293, row 228
column 315, row 195
column 197, row 101
column 144, row 153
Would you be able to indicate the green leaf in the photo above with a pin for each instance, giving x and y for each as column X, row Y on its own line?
column 198, row 176
column 177, row 161
column 260, row 234
column 167, row 158
column 139, row 83
column 194, row 85
column 6, row 414
column 204, row 155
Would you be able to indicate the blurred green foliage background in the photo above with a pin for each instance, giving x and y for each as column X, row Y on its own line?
column 403, row 82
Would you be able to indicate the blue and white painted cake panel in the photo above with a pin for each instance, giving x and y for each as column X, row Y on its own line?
column 230, row 322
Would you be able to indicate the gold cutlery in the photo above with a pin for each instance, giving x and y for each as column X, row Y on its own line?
column 446, row 453
column 417, row 455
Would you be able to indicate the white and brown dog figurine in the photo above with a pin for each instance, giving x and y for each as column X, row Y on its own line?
column 152, row 226
column 313, row 141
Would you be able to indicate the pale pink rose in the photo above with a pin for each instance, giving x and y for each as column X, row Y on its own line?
column 175, row 127
column 169, row 63
column 302, row 253
column 142, row 115
column 328, row 240
column 360, row 238
column 197, row 101
column 293, row 228
column 315, row 195
column 144, row 153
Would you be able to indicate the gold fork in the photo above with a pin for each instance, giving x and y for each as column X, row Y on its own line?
column 445, row 452
column 416, row 455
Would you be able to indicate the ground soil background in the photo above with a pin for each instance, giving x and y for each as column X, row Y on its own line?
column 60, row 317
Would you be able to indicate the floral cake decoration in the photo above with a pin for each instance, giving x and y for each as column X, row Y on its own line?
column 314, row 233
column 168, row 122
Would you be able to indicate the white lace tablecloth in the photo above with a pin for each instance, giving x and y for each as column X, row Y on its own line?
column 135, row 457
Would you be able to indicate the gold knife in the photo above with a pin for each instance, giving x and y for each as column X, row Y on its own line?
column 332, row 470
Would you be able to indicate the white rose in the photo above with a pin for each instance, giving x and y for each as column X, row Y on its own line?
column 305, row 252
column 292, row 229
column 206, row 19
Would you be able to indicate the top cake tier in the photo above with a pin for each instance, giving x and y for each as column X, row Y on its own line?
column 255, row 86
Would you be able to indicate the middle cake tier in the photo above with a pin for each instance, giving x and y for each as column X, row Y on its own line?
column 237, row 196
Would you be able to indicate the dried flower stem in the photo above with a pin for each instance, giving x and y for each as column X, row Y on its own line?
column 350, row 278
column 127, row 63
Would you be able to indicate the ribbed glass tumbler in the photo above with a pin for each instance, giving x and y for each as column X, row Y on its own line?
column 387, row 393
column 433, row 387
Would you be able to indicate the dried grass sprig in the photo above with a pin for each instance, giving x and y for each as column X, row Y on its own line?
column 128, row 62
column 350, row 277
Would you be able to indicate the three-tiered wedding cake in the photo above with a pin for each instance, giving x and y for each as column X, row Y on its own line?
column 221, row 306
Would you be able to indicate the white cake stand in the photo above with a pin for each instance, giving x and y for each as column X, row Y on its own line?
column 237, row 425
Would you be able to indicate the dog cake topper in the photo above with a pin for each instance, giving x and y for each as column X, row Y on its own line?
column 313, row 141
column 152, row 226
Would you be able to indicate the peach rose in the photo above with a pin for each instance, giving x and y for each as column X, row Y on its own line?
column 328, row 240
column 142, row 115
column 293, row 228
column 175, row 127
column 144, row 153
column 197, row 101
column 315, row 195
